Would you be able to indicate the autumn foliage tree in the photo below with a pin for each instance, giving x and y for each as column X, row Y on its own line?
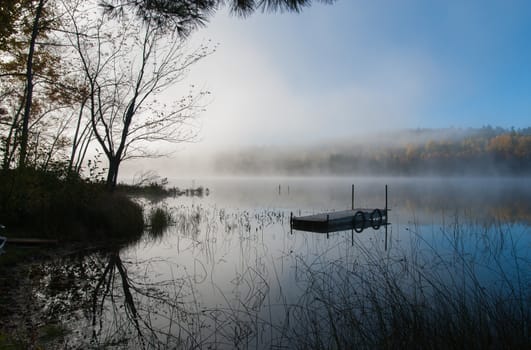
column 33, row 87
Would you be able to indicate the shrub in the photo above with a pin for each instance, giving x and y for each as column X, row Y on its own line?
column 46, row 205
column 159, row 220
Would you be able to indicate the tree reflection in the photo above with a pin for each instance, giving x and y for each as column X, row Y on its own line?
column 112, row 301
column 105, row 290
column 110, row 297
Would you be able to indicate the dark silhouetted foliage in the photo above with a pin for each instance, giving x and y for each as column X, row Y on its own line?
column 43, row 204
column 183, row 16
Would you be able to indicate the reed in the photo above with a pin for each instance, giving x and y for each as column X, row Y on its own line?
column 159, row 220
column 466, row 288
column 422, row 299
column 471, row 291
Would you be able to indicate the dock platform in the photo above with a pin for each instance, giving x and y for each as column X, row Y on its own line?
column 352, row 219
column 30, row 241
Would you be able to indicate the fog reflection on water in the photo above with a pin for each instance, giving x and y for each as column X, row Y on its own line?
column 229, row 272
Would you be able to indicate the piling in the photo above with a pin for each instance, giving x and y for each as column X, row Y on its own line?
column 352, row 197
column 386, row 218
column 327, row 224
column 385, row 200
column 291, row 222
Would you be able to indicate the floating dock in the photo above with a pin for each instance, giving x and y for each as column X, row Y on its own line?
column 30, row 241
column 352, row 219
column 357, row 219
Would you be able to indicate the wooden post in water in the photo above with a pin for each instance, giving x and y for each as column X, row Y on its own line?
column 327, row 223
column 352, row 230
column 352, row 197
column 291, row 222
column 386, row 219
column 386, row 202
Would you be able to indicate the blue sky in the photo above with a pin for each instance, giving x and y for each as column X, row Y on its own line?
column 334, row 71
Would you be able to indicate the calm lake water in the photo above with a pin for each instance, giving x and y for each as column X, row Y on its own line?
column 230, row 272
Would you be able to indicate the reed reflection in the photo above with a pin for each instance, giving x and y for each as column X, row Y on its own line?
column 225, row 277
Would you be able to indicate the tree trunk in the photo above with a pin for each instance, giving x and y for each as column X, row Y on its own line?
column 112, row 173
column 115, row 160
column 29, row 87
column 10, row 144
column 77, row 139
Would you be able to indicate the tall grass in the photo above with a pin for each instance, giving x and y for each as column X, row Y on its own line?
column 465, row 286
column 424, row 299
column 159, row 219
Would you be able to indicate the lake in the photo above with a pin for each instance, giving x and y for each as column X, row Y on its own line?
column 230, row 273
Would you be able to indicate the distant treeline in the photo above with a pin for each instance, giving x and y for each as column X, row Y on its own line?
column 484, row 151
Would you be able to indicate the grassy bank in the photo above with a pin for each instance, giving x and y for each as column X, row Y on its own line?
column 78, row 214
column 156, row 189
column 74, row 213
column 45, row 205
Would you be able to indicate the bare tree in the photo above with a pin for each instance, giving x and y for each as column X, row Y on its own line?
column 127, row 66
column 81, row 139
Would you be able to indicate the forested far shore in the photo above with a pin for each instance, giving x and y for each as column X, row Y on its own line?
column 486, row 151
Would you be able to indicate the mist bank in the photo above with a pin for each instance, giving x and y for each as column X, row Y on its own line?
column 485, row 151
